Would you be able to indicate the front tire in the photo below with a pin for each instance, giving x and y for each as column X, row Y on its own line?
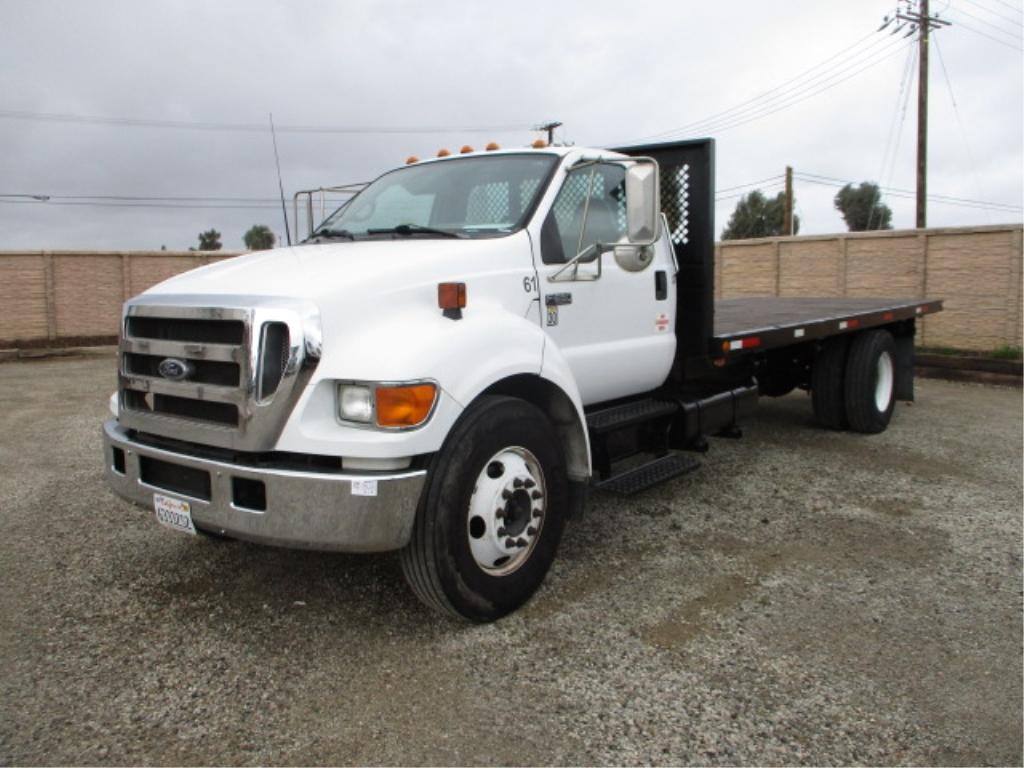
column 492, row 512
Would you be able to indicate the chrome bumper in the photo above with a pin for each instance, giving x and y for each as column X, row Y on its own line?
column 304, row 510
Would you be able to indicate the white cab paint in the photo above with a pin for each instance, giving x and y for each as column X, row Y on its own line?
column 380, row 322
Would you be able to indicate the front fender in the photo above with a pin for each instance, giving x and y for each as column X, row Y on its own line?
column 463, row 356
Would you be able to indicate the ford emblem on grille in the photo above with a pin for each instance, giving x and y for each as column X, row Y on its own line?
column 174, row 369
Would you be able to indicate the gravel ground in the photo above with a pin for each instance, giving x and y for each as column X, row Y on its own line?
column 806, row 598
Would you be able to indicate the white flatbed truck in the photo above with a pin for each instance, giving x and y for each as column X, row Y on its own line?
column 452, row 360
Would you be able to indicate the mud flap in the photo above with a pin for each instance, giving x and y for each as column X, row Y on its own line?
column 904, row 374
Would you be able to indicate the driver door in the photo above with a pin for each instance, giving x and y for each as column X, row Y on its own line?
column 614, row 327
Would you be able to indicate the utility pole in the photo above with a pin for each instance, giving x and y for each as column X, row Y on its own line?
column 550, row 128
column 787, row 209
column 917, row 15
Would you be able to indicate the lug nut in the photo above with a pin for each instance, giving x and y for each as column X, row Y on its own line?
column 520, row 542
column 517, row 483
column 529, row 483
column 537, row 513
column 509, row 543
column 502, row 531
column 531, row 531
column 536, row 495
column 506, row 494
column 500, row 513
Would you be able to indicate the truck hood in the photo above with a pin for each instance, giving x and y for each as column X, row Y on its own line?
column 328, row 272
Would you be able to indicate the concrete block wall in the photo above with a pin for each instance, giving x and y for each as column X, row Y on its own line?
column 975, row 270
column 62, row 298
column 55, row 298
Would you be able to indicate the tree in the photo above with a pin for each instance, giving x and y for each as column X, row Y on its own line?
column 758, row 216
column 862, row 208
column 209, row 240
column 259, row 238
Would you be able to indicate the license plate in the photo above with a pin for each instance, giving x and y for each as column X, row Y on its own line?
column 173, row 513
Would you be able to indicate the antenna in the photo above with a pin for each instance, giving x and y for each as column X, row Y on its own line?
column 550, row 128
column 280, row 185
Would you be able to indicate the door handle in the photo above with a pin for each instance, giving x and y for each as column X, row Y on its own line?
column 660, row 285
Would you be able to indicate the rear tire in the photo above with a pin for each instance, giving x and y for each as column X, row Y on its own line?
column 828, row 382
column 870, row 381
column 491, row 515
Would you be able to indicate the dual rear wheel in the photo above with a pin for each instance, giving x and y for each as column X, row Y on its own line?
column 853, row 382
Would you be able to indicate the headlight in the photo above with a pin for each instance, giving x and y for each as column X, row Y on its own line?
column 355, row 403
column 392, row 406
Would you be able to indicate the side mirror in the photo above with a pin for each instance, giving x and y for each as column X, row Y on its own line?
column 633, row 258
column 642, row 203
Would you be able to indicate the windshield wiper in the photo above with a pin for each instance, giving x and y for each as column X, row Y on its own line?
column 414, row 229
column 331, row 233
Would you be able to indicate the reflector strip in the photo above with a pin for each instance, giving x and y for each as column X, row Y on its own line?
column 888, row 316
column 748, row 343
column 844, row 324
column 920, row 310
column 798, row 333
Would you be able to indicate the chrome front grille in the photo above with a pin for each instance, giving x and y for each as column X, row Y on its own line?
column 224, row 375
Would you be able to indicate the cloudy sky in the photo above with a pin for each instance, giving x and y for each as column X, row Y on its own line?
column 144, row 122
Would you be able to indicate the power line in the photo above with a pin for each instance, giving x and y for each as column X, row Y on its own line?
column 1011, row 7
column 1015, row 22
column 898, row 119
column 890, row 52
column 775, row 185
column 136, row 122
column 766, row 94
column 969, row 28
column 782, row 96
column 805, row 91
column 789, row 96
column 956, row 111
column 898, row 136
column 832, row 181
column 167, row 206
column 776, row 177
column 1014, row 34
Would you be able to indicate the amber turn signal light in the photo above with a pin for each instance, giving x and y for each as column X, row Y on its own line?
column 405, row 406
column 451, row 295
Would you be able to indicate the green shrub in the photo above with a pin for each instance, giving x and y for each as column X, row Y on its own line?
column 1006, row 352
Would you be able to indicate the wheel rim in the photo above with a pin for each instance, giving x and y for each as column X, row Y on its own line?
column 506, row 512
column 883, row 382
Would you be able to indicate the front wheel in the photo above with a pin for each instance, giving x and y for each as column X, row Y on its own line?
column 491, row 516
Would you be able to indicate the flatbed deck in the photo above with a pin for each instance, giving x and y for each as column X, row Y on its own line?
column 763, row 323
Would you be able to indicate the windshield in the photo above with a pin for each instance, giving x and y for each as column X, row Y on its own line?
column 461, row 197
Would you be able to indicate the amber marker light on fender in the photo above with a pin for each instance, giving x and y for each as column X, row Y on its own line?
column 451, row 297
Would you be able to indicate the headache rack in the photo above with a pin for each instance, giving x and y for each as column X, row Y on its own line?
column 225, row 375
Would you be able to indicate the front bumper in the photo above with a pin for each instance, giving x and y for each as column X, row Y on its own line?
column 303, row 510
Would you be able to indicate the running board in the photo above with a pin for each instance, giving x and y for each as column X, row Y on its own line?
column 629, row 415
column 650, row 474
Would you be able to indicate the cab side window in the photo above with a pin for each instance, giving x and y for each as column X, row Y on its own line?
column 606, row 212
